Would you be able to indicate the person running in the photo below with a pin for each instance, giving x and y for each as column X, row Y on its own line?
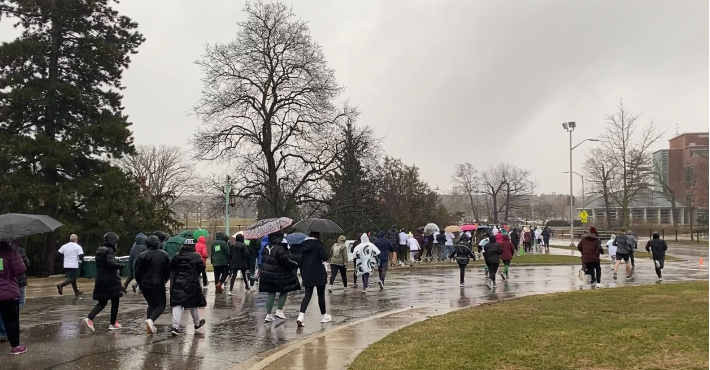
column 365, row 254
column 219, row 257
column 11, row 267
column 276, row 274
column 462, row 254
column 492, row 254
column 612, row 250
column 314, row 275
column 508, row 251
column 482, row 248
column 339, row 262
column 152, row 272
column 591, row 247
column 658, row 249
column 137, row 248
column 403, row 250
column 634, row 245
column 107, row 285
column 623, row 245
column 185, row 289
column 72, row 253
column 384, row 246
column 239, row 259
column 201, row 249
column 414, row 248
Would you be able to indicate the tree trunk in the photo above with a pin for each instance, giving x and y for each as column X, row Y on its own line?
column 507, row 203
column 675, row 219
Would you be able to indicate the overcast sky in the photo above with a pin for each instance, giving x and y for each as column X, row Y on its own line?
column 455, row 81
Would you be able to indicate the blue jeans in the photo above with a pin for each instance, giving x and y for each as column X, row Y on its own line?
column 447, row 251
column 23, row 298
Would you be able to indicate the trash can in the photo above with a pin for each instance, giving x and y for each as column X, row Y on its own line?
column 88, row 267
column 126, row 269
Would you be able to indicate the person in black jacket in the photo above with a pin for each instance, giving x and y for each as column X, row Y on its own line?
column 658, row 249
column 185, row 286
column 253, row 247
column 392, row 236
column 492, row 254
column 515, row 239
column 138, row 247
column 462, row 254
column 152, row 271
column 314, row 275
column 276, row 274
column 441, row 241
column 239, row 257
column 107, row 285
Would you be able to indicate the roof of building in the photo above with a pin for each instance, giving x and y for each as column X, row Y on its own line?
column 647, row 199
column 688, row 133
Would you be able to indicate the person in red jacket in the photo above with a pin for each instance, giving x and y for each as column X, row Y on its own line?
column 201, row 249
column 508, row 252
column 11, row 267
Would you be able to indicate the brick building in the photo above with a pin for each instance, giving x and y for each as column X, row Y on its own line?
column 684, row 168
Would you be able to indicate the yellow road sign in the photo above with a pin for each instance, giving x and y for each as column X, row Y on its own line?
column 583, row 215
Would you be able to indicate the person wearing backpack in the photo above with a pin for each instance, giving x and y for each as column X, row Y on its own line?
column 462, row 254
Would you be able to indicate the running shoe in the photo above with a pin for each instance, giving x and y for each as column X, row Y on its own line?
column 175, row 332
column 382, row 285
column 300, row 319
column 581, row 275
column 269, row 318
column 326, row 318
column 490, row 284
column 461, row 286
column 280, row 314
column 150, row 327
column 18, row 350
column 200, row 324
column 615, row 276
column 60, row 289
column 115, row 326
column 330, row 289
column 503, row 276
column 88, row 323
column 599, row 285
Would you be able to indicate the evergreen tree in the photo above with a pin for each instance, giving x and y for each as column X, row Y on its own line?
column 60, row 108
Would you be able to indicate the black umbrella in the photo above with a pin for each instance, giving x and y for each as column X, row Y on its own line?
column 15, row 225
column 318, row 225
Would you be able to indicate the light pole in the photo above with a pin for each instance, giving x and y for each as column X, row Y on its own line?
column 230, row 199
column 584, row 199
column 570, row 126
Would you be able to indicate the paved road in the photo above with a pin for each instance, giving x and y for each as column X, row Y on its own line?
column 235, row 332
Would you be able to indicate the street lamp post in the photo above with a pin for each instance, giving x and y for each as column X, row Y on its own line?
column 230, row 199
column 570, row 126
column 584, row 198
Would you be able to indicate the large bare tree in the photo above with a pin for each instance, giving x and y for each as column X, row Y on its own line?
column 600, row 173
column 268, row 107
column 505, row 184
column 628, row 145
column 466, row 181
column 163, row 171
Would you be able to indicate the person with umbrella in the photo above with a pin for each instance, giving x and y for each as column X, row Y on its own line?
column 72, row 253
column 152, row 272
column 313, row 273
column 185, row 290
column 339, row 262
column 11, row 267
column 107, row 285
column 276, row 274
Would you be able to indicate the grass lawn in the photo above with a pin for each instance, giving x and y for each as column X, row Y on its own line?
column 640, row 253
column 649, row 327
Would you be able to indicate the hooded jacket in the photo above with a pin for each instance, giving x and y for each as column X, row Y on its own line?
column 527, row 235
column 515, row 237
column 492, row 252
column 339, row 252
column 508, row 249
column 365, row 254
column 12, row 269
column 173, row 244
column 462, row 254
column 219, row 251
column 591, row 247
column 385, row 247
column 276, row 272
column 107, row 284
column 185, row 284
column 201, row 248
column 657, row 247
column 22, row 279
column 312, row 257
column 238, row 255
column 152, row 268
column 137, row 248
column 393, row 236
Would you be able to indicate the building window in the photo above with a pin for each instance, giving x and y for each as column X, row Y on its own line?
column 690, row 175
column 699, row 153
column 665, row 216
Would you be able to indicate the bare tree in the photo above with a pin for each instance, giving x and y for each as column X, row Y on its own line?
column 667, row 190
column 629, row 155
column 466, row 181
column 163, row 171
column 600, row 173
column 268, row 104
column 493, row 184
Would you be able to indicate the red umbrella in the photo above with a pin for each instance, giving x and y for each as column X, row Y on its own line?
column 468, row 227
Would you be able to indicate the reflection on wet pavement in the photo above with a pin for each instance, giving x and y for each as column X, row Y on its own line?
column 236, row 334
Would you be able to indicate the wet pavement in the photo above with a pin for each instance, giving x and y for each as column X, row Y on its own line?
column 236, row 337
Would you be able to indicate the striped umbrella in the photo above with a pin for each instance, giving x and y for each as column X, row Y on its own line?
column 266, row 227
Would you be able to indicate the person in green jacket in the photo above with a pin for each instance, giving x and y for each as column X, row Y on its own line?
column 219, row 257
column 173, row 244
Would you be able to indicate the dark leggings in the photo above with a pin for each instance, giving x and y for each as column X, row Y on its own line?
column 631, row 257
column 128, row 280
column 660, row 263
column 155, row 297
column 428, row 252
column 595, row 270
column 10, row 315
column 355, row 272
column 245, row 278
column 492, row 269
column 462, row 272
column 307, row 298
column 334, row 269
column 220, row 274
column 100, row 306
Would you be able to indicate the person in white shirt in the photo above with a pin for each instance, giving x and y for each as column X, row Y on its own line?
column 403, row 250
column 449, row 246
column 413, row 249
column 72, row 253
column 612, row 250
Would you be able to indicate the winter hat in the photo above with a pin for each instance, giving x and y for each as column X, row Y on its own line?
column 189, row 242
column 593, row 230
